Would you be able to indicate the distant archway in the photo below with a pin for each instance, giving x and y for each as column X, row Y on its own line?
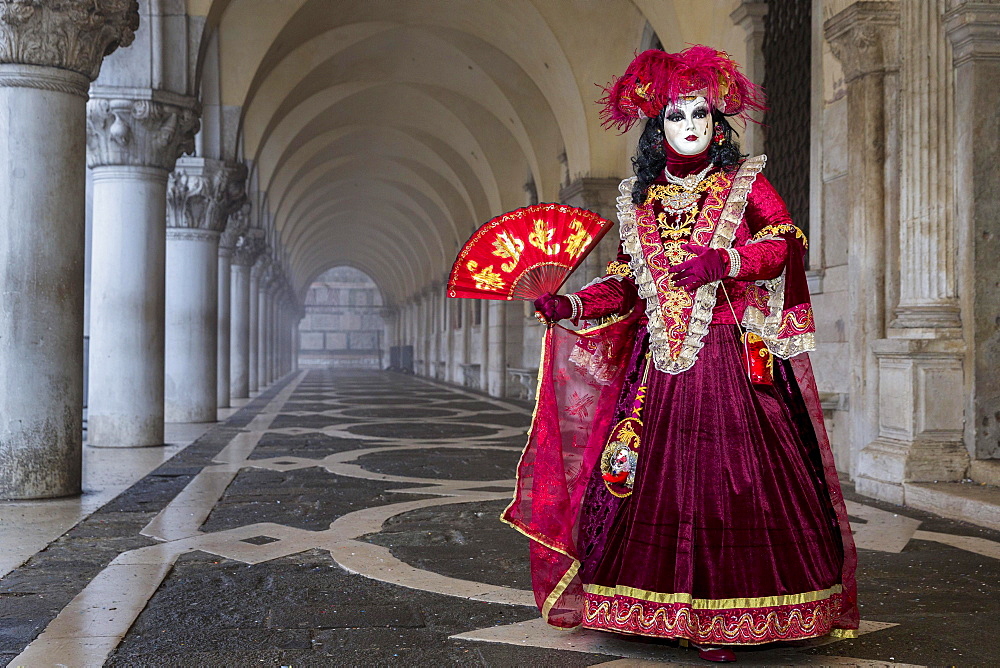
column 343, row 324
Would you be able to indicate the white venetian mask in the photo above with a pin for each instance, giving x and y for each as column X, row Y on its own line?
column 688, row 126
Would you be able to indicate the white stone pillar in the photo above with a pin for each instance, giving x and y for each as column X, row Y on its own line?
column 434, row 304
column 864, row 37
column 49, row 53
column 279, row 339
column 236, row 226
column 973, row 30
column 243, row 299
column 262, row 325
column 256, row 272
column 224, row 321
column 271, row 326
column 466, row 337
column 597, row 195
column 418, row 330
column 498, row 348
column 928, row 290
column 200, row 195
column 293, row 338
column 921, row 383
column 448, row 306
column 132, row 146
column 485, row 354
column 749, row 15
column 272, row 338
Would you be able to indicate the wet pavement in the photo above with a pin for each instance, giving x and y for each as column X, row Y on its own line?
column 350, row 518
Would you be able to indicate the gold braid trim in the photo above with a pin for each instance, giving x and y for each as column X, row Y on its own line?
column 713, row 603
column 768, row 325
column 705, row 296
column 776, row 230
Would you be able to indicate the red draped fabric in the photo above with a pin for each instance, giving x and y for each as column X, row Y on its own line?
column 580, row 378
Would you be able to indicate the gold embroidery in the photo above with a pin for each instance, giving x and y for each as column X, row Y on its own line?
column 749, row 627
column 507, row 246
column 616, row 268
column 542, row 237
column 675, row 344
column 576, row 242
column 781, row 228
column 682, row 203
column 487, row 279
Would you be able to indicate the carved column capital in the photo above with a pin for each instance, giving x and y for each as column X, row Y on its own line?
column 974, row 30
column 275, row 278
column 865, row 38
column 72, row 35
column 236, row 227
column 749, row 15
column 259, row 267
column 201, row 193
column 140, row 132
column 249, row 247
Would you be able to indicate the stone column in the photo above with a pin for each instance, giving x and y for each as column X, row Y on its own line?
column 864, row 38
column 485, row 356
column 437, row 331
column 200, row 195
column 50, row 51
column 973, row 28
column 448, row 337
column 262, row 325
column 498, row 348
column 256, row 272
column 928, row 291
column 921, row 382
column 279, row 336
column 242, row 297
column 237, row 225
column 466, row 306
column 294, row 339
column 600, row 196
column 749, row 15
column 271, row 328
column 133, row 144
column 419, row 362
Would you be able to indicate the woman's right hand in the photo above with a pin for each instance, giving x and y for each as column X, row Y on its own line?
column 554, row 307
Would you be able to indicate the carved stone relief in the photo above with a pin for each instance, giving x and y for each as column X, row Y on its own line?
column 66, row 34
column 139, row 132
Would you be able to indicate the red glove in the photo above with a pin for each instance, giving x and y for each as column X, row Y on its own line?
column 554, row 307
column 707, row 265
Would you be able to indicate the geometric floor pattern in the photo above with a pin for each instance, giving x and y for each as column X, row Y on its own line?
column 350, row 518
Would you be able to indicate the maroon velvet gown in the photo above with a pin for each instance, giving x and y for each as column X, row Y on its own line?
column 729, row 535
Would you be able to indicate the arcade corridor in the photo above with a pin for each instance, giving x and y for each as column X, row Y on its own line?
column 350, row 518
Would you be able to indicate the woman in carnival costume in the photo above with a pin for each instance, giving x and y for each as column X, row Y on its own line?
column 678, row 480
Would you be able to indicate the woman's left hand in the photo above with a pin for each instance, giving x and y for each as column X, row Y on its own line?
column 707, row 265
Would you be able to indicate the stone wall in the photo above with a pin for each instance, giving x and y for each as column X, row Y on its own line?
column 343, row 323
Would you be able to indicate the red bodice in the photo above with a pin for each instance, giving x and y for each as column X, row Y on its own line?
column 760, row 260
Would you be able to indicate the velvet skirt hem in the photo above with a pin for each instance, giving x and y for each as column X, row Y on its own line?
column 800, row 620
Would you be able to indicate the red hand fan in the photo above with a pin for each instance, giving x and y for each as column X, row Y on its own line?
column 525, row 253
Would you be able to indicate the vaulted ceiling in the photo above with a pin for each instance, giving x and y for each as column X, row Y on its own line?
column 384, row 132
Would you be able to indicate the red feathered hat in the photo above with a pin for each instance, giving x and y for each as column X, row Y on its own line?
column 656, row 79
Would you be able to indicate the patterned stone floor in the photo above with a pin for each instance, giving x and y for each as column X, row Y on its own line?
column 351, row 519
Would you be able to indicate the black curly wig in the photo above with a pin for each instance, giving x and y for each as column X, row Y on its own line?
column 651, row 158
